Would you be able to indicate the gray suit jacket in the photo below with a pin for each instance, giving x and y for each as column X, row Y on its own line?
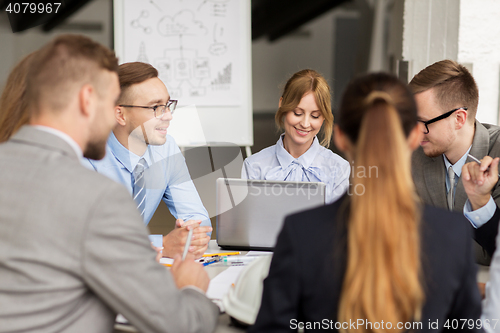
column 74, row 250
column 429, row 175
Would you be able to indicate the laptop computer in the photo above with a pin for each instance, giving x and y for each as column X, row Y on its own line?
column 250, row 213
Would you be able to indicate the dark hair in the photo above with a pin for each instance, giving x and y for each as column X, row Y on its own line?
column 301, row 83
column 132, row 73
column 377, row 113
column 453, row 85
column 61, row 64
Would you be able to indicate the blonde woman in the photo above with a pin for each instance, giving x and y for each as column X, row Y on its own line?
column 304, row 110
column 376, row 261
column 13, row 110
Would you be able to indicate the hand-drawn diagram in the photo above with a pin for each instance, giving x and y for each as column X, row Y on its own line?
column 195, row 45
column 223, row 80
column 142, row 53
column 181, row 24
column 137, row 22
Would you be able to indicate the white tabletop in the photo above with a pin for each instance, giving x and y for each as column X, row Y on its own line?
column 224, row 325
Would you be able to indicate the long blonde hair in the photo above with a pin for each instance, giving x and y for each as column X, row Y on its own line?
column 383, row 275
column 13, row 105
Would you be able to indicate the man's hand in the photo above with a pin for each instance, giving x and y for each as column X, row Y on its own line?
column 174, row 242
column 189, row 273
column 479, row 180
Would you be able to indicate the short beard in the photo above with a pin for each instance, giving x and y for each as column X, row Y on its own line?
column 434, row 153
column 95, row 150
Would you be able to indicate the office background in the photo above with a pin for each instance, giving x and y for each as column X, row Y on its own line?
column 338, row 38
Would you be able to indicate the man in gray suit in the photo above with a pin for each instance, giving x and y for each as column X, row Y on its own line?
column 447, row 97
column 73, row 248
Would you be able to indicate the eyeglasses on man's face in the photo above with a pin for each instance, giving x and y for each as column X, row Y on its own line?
column 443, row 116
column 158, row 110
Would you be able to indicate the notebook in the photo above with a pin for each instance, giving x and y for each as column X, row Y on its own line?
column 250, row 213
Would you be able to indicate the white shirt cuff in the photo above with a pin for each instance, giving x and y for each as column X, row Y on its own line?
column 482, row 215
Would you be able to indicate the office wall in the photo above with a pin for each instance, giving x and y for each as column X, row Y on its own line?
column 274, row 62
column 93, row 20
column 466, row 31
column 479, row 44
column 430, row 32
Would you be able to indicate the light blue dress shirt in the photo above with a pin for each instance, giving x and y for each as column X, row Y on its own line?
column 317, row 164
column 457, row 168
column 166, row 178
column 482, row 215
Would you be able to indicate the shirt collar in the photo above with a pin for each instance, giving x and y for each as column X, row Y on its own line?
column 69, row 140
column 306, row 159
column 127, row 158
column 457, row 167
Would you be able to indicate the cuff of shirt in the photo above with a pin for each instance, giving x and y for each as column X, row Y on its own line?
column 479, row 216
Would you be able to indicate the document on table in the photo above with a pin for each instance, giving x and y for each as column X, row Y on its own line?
column 219, row 286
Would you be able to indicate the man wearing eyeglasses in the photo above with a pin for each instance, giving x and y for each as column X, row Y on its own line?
column 141, row 156
column 447, row 97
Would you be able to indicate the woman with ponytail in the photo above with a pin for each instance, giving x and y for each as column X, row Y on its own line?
column 376, row 260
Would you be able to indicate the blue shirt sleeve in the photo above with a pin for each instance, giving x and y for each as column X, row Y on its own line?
column 479, row 216
column 180, row 194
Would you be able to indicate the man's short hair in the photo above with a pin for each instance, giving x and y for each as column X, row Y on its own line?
column 453, row 85
column 132, row 73
column 63, row 66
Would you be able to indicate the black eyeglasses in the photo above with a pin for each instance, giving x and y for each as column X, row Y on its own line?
column 443, row 116
column 158, row 110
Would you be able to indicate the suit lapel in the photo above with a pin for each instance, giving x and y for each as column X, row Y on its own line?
column 435, row 180
column 481, row 142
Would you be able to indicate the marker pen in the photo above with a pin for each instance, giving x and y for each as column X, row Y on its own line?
column 238, row 259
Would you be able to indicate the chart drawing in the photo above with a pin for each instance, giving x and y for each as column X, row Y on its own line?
column 194, row 45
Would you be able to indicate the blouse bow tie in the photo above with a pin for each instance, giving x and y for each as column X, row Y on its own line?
column 294, row 172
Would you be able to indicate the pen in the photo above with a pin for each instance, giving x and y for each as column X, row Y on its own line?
column 476, row 160
column 211, row 261
column 240, row 259
column 188, row 244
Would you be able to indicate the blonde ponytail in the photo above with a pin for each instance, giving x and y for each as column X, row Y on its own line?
column 382, row 280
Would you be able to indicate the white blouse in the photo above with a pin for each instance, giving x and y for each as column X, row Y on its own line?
column 317, row 164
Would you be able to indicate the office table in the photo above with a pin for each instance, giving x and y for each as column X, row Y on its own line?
column 224, row 325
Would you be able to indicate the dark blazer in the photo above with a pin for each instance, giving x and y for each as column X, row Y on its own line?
column 308, row 268
column 429, row 176
column 486, row 235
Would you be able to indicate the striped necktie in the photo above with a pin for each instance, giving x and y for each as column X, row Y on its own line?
column 139, row 191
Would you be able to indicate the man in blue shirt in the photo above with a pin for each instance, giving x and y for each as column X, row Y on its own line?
column 141, row 156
